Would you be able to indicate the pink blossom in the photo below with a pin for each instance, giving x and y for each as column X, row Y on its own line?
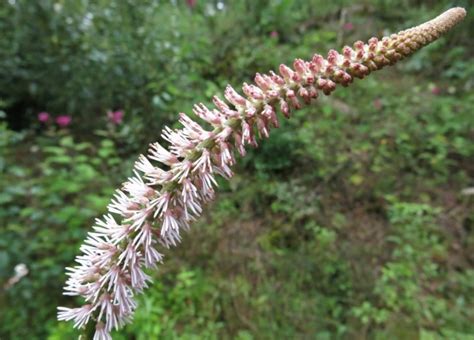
column 63, row 121
column 274, row 34
column 115, row 117
column 191, row 3
column 43, row 117
column 378, row 105
column 171, row 185
column 348, row 26
column 436, row 90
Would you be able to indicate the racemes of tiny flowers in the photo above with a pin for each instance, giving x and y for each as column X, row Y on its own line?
column 170, row 185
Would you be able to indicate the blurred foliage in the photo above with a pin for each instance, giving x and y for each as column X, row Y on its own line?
column 51, row 188
column 348, row 222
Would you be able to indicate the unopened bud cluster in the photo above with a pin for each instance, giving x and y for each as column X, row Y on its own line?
column 171, row 185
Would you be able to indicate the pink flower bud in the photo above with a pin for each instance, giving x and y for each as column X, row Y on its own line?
column 312, row 92
column 300, row 66
column 270, row 114
column 359, row 45
column 346, row 63
column 303, row 93
column 347, row 52
column 332, row 57
column 219, row 103
column 329, row 87
column 273, row 94
column 277, row 79
column 245, row 131
column 224, row 108
column 318, row 60
column 295, row 103
column 373, row 41
column 285, row 109
column 252, row 91
column 263, row 83
column 239, row 144
column 296, row 77
column 262, row 127
column 344, row 78
column 286, row 72
column 360, row 54
column 207, row 115
column 321, row 83
column 233, row 97
column 290, row 94
column 250, row 110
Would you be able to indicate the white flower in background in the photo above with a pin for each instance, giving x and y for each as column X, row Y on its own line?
column 21, row 270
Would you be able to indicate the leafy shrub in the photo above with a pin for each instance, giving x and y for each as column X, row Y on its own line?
column 49, row 192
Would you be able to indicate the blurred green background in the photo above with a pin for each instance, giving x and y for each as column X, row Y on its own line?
column 353, row 221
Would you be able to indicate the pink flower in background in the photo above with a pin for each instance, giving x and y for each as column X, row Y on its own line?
column 436, row 90
column 348, row 26
column 63, row 120
column 115, row 117
column 274, row 34
column 378, row 104
column 191, row 3
column 43, row 117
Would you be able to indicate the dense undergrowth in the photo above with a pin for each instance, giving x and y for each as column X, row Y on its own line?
column 349, row 222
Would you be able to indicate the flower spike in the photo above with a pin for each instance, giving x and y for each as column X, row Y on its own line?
column 170, row 186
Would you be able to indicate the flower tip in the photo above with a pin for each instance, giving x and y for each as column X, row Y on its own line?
column 461, row 10
column 456, row 13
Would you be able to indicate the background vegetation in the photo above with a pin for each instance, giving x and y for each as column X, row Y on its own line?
column 350, row 222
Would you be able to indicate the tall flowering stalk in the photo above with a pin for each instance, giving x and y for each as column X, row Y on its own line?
column 170, row 186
